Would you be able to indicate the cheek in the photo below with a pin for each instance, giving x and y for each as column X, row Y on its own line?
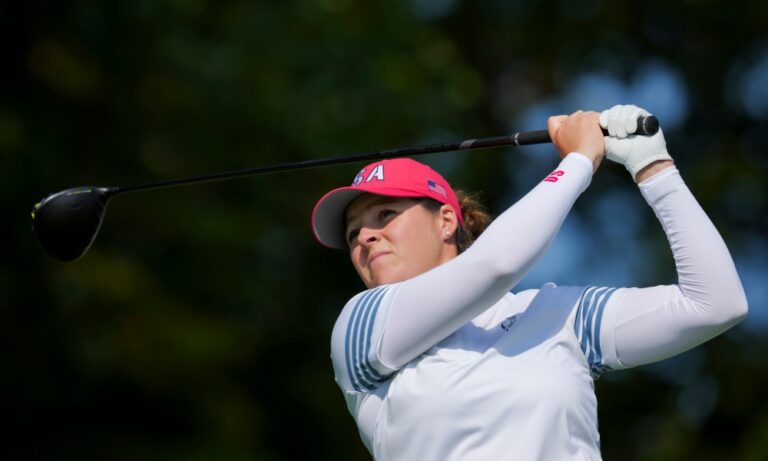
column 420, row 245
column 354, row 257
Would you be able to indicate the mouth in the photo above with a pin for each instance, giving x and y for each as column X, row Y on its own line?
column 376, row 256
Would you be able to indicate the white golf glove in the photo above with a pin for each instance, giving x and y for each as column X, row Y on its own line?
column 635, row 152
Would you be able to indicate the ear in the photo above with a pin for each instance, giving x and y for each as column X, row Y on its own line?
column 448, row 222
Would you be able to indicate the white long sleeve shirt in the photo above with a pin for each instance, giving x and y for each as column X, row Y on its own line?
column 451, row 365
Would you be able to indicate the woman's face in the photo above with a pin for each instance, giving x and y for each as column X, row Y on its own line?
column 393, row 239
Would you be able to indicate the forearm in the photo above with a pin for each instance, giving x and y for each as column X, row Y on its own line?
column 706, row 272
column 433, row 305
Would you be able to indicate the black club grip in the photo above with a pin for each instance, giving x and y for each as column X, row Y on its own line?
column 646, row 125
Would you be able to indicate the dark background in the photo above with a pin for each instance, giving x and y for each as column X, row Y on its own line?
column 198, row 325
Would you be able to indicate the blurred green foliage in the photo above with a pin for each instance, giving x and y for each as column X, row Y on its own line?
column 198, row 325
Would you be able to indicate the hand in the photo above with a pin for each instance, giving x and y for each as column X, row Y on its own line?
column 622, row 146
column 579, row 132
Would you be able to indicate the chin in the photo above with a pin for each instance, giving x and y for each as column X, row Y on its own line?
column 378, row 281
column 389, row 278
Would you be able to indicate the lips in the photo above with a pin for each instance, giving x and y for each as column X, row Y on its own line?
column 375, row 256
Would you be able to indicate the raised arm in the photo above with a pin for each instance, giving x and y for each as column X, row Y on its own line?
column 650, row 324
column 429, row 307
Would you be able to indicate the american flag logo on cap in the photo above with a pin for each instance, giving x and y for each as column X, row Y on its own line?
column 436, row 188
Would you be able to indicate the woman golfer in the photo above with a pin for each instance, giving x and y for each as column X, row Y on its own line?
column 439, row 360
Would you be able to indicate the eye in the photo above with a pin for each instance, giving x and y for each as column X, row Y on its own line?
column 386, row 213
column 352, row 235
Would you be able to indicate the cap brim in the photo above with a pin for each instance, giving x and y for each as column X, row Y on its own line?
column 328, row 216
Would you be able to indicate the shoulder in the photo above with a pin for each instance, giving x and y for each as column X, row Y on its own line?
column 593, row 299
column 355, row 337
column 363, row 308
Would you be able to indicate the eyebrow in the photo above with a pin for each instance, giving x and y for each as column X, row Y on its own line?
column 380, row 200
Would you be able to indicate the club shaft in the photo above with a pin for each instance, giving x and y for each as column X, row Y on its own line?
column 366, row 156
column 647, row 125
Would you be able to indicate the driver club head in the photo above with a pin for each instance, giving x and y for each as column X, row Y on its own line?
column 66, row 223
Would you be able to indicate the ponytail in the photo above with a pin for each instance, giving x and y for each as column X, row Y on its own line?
column 476, row 219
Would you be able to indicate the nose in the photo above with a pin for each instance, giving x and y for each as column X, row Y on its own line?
column 368, row 236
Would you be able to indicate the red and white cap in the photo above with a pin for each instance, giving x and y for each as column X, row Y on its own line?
column 400, row 177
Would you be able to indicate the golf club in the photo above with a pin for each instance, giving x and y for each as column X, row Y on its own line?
column 66, row 223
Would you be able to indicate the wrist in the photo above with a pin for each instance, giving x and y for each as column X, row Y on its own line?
column 643, row 158
column 652, row 169
column 592, row 161
column 582, row 159
column 580, row 166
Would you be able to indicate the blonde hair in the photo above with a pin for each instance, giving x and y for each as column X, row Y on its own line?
column 476, row 219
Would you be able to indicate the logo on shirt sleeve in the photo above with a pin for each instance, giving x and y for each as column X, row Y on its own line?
column 554, row 176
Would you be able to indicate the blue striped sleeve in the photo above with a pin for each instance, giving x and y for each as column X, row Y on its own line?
column 587, row 324
column 357, row 341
